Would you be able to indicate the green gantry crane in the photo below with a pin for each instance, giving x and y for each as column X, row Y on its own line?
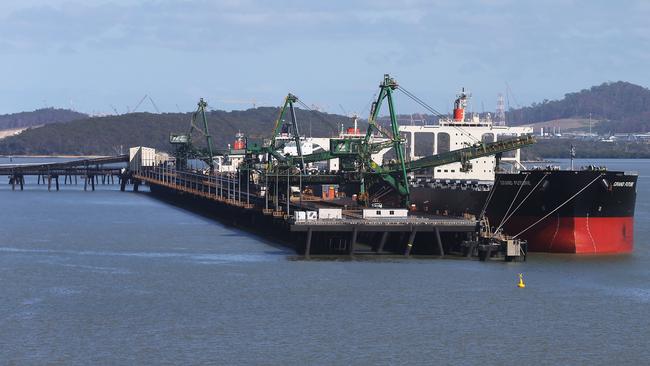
column 185, row 150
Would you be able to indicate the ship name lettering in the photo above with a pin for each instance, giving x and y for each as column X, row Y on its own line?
column 623, row 184
column 514, row 183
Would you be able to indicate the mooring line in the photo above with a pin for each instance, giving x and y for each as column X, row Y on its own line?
column 560, row 206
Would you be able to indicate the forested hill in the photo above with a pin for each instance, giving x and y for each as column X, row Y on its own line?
column 618, row 106
column 38, row 117
column 107, row 135
column 624, row 107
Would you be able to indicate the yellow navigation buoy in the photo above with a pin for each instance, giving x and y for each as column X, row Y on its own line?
column 521, row 283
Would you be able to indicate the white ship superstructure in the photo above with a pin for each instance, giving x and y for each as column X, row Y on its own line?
column 458, row 132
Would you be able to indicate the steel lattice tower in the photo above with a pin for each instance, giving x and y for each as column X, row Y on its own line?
column 500, row 117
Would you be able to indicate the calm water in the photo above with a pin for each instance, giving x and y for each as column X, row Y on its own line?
column 108, row 277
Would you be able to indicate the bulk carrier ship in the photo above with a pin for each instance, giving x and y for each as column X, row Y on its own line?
column 587, row 210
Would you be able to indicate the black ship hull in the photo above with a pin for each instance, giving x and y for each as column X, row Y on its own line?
column 586, row 211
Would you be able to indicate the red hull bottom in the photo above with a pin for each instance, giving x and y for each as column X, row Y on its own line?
column 576, row 234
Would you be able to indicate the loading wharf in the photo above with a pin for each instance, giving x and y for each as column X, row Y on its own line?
column 239, row 202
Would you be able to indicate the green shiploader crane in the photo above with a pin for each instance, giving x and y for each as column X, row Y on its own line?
column 185, row 149
column 272, row 149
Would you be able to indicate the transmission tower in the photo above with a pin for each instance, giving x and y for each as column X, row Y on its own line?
column 500, row 117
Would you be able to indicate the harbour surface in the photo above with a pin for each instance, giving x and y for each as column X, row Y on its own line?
column 114, row 277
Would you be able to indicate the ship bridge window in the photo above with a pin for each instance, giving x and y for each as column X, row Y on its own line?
column 443, row 142
column 423, row 143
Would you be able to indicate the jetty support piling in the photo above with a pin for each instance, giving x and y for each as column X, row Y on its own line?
column 382, row 242
column 308, row 244
column 353, row 240
column 410, row 242
column 441, row 250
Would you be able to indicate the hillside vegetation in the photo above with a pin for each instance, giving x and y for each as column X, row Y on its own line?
column 38, row 117
column 109, row 135
column 614, row 107
column 621, row 106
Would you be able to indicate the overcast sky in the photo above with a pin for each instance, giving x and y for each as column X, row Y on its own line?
column 92, row 55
